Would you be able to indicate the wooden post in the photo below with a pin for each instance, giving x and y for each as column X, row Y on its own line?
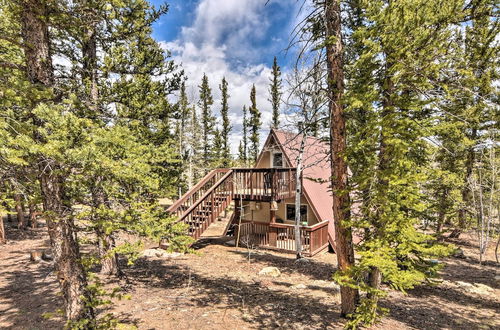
column 251, row 184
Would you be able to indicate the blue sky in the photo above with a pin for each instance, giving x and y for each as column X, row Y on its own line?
column 236, row 39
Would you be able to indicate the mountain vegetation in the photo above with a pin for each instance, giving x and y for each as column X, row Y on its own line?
column 97, row 126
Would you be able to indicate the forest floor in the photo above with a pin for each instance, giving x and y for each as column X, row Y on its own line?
column 219, row 288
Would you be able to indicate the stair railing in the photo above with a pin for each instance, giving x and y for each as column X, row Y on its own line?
column 196, row 192
column 207, row 208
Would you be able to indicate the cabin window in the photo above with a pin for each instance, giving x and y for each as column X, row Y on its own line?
column 290, row 212
column 277, row 159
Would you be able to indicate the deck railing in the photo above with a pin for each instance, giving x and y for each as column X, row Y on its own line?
column 281, row 237
column 264, row 184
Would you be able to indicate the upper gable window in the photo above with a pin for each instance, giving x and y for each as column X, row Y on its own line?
column 277, row 159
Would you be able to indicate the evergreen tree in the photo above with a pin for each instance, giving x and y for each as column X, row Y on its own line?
column 275, row 92
column 389, row 122
column 473, row 94
column 114, row 162
column 217, row 149
column 207, row 119
column 196, row 168
column 181, row 131
column 338, row 137
column 243, row 147
column 254, row 124
column 226, row 126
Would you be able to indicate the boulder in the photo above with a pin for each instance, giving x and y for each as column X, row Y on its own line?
column 160, row 253
column 172, row 254
column 153, row 253
column 477, row 288
column 270, row 271
column 299, row 286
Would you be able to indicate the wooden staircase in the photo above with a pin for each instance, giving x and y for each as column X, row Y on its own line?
column 202, row 204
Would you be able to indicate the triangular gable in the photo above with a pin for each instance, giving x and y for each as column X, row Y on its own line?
column 317, row 171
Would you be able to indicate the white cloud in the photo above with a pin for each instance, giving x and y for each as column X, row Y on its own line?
column 220, row 42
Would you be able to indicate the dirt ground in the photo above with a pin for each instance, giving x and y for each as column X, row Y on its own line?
column 219, row 288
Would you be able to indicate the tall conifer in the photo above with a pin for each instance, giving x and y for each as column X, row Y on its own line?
column 226, row 125
column 207, row 119
column 254, row 125
column 275, row 93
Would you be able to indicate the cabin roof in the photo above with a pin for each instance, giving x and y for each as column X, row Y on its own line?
column 316, row 168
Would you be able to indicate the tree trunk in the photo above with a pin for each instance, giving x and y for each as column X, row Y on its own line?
column 442, row 211
column 466, row 195
column 109, row 259
column 298, row 195
column 374, row 281
column 32, row 216
column 70, row 272
column 341, row 201
column 2, row 231
column 19, row 211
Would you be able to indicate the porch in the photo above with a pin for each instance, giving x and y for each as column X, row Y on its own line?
column 281, row 237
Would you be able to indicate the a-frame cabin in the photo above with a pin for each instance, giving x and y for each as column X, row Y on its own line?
column 264, row 197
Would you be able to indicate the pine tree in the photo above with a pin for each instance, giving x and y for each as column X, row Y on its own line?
column 217, row 149
column 207, row 119
column 32, row 24
column 226, row 125
column 243, row 147
column 341, row 201
column 254, row 125
column 275, row 92
column 393, row 164
column 473, row 93
column 116, row 170
column 196, row 168
column 181, row 131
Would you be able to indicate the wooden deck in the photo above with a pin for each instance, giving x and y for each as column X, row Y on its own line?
column 281, row 237
column 202, row 204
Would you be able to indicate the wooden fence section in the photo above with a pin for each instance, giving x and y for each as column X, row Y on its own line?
column 282, row 236
column 264, row 184
column 195, row 193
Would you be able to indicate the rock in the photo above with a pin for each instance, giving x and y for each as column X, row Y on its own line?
column 153, row 253
column 270, row 271
column 160, row 253
column 458, row 253
column 477, row 288
column 299, row 286
column 497, row 278
column 172, row 254
column 482, row 289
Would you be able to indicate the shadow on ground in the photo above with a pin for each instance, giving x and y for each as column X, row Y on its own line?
column 259, row 305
